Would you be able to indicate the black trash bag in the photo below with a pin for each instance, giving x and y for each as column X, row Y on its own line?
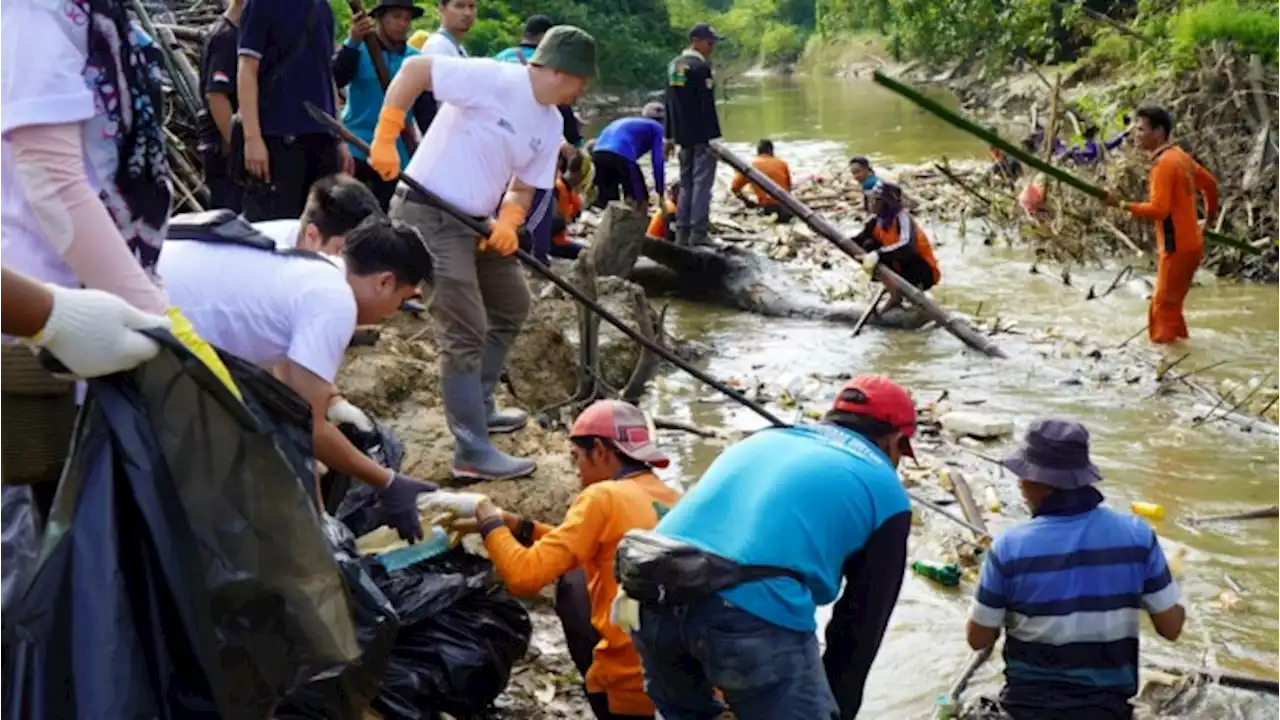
column 460, row 634
column 347, row 694
column 354, row 502
column 184, row 572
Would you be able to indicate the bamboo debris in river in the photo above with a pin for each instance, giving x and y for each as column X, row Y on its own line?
column 966, row 333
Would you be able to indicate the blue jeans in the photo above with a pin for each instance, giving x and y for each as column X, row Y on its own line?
column 765, row 671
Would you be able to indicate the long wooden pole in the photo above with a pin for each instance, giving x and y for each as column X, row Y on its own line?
column 954, row 325
column 374, row 47
column 1057, row 173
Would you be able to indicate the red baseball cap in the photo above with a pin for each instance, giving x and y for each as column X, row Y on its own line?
column 876, row 397
column 623, row 424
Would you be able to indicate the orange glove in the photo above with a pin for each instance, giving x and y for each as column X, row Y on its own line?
column 384, row 156
column 502, row 238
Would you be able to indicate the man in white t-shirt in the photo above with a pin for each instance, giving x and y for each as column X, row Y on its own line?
column 495, row 140
column 295, row 313
column 335, row 206
column 456, row 18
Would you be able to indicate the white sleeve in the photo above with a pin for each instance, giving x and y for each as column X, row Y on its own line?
column 439, row 46
column 324, row 321
column 466, row 82
column 540, row 171
column 41, row 64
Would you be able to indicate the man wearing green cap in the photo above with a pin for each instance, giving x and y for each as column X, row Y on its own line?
column 494, row 141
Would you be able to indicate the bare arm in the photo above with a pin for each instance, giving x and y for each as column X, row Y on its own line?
column 25, row 303
column 247, row 93
column 220, row 110
column 331, row 446
column 413, row 79
column 1169, row 623
column 980, row 636
column 518, row 193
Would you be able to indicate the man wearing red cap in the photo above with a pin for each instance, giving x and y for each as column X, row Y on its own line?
column 813, row 503
column 614, row 450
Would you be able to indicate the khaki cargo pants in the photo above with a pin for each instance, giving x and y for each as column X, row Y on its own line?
column 476, row 296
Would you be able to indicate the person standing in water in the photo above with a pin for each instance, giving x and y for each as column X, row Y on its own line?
column 1175, row 180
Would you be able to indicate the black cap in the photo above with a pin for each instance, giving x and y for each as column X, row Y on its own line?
column 384, row 5
column 537, row 25
column 703, row 31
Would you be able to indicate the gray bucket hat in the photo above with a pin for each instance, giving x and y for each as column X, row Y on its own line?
column 1055, row 453
column 568, row 49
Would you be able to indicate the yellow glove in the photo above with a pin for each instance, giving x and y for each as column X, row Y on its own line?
column 503, row 238
column 384, row 156
column 186, row 334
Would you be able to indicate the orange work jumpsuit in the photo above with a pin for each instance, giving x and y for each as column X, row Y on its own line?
column 890, row 239
column 589, row 537
column 1175, row 178
column 775, row 169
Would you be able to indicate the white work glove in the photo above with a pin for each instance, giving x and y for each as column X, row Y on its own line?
column 625, row 612
column 870, row 261
column 343, row 411
column 94, row 333
column 463, row 504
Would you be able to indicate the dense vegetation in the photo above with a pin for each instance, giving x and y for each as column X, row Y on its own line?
column 638, row 37
column 1050, row 31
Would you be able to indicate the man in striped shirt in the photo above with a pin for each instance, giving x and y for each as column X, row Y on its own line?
column 1069, row 588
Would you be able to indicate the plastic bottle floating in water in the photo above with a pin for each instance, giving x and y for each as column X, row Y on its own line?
column 1151, row 511
column 435, row 543
column 992, row 499
column 948, row 574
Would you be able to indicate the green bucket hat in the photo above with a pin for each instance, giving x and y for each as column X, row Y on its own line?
column 568, row 49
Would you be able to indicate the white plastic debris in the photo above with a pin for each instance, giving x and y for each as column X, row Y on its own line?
column 974, row 424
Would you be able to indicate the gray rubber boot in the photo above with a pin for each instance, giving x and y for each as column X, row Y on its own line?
column 682, row 237
column 699, row 238
column 498, row 421
column 474, row 457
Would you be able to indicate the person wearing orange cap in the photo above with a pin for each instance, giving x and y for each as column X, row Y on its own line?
column 614, row 450
column 1175, row 180
column 794, row 509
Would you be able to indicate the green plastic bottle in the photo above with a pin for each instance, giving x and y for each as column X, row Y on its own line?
column 948, row 574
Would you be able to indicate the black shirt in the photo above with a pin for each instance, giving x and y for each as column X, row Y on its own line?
column 218, row 61
column 691, row 100
column 294, row 62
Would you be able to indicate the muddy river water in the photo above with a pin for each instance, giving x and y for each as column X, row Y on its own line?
column 1148, row 448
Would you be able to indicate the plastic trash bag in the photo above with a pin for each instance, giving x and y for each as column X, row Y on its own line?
column 460, row 634
column 351, row 501
column 183, row 572
column 348, row 693
column 18, row 539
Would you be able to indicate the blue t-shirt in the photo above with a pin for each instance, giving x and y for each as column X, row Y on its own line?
column 805, row 498
column 515, row 53
column 365, row 95
column 1070, row 590
column 269, row 31
column 632, row 137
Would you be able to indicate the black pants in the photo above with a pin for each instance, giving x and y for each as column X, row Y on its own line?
column 913, row 269
column 224, row 190
column 297, row 161
column 617, row 177
column 382, row 189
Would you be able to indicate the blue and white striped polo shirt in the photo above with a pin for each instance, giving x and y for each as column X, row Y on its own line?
column 1069, row 588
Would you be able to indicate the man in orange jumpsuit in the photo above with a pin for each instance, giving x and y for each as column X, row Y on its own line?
column 615, row 454
column 772, row 167
column 1175, row 179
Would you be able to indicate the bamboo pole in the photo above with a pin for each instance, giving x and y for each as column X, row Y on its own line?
column 957, row 327
column 1027, row 158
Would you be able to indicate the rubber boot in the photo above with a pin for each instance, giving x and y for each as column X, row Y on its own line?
column 697, row 239
column 682, row 237
column 498, row 421
column 474, row 457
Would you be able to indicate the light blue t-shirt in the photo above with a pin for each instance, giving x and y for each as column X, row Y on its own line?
column 365, row 96
column 804, row 498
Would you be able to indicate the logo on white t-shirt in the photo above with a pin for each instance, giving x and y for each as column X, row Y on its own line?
column 535, row 144
column 502, row 123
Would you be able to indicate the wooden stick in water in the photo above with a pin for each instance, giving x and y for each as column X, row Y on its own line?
column 952, row 324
